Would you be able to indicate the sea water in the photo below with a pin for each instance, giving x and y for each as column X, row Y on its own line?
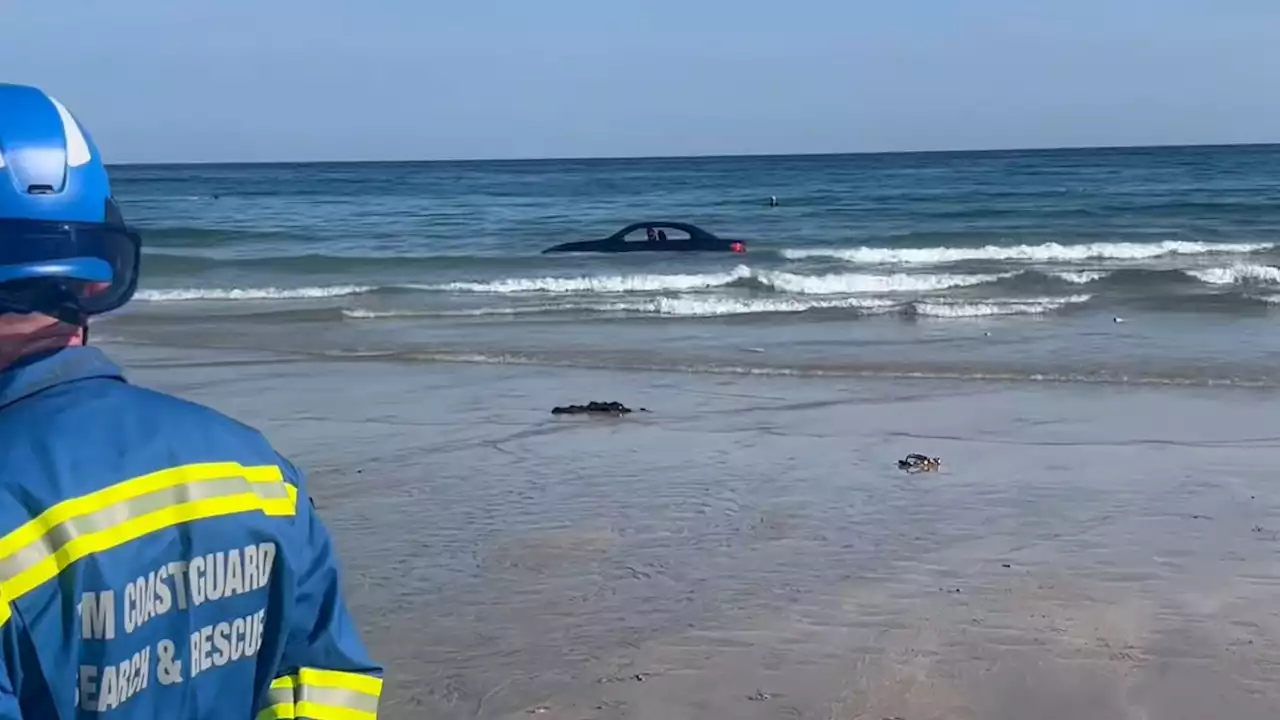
column 1123, row 265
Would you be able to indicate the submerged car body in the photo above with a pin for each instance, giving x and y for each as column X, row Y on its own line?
column 696, row 240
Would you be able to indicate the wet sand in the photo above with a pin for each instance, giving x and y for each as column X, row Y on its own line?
column 749, row 549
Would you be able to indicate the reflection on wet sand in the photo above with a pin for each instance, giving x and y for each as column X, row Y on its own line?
column 750, row 549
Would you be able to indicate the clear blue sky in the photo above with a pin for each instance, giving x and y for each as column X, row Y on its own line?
column 257, row 80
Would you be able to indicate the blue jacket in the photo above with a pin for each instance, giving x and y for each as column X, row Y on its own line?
column 160, row 560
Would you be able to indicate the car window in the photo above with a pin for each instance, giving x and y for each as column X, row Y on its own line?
column 637, row 235
column 642, row 235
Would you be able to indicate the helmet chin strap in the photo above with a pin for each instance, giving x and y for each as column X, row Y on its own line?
column 58, row 305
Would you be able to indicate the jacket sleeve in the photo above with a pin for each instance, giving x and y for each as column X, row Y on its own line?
column 325, row 672
column 10, row 666
column 24, row 689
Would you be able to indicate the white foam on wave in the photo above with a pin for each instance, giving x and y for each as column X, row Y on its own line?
column 673, row 306
column 1047, row 252
column 988, row 308
column 829, row 284
column 1238, row 273
column 364, row 314
column 687, row 306
column 849, row 283
column 695, row 306
column 601, row 284
column 1082, row 277
column 267, row 293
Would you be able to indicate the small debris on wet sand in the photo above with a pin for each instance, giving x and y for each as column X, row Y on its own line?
column 915, row 462
column 594, row 408
column 637, row 677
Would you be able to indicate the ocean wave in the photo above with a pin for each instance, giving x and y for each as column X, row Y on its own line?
column 363, row 314
column 267, row 293
column 719, row 306
column 1237, row 274
column 1082, row 277
column 788, row 291
column 994, row 307
column 367, row 314
column 830, row 284
column 209, row 237
column 840, row 283
column 1048, row 252
column 695, row 306
column 677, row 306
column 180, row 262
column 602, row 284
column 709, row 307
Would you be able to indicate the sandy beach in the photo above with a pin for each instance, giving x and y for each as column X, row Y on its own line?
column 749, row 549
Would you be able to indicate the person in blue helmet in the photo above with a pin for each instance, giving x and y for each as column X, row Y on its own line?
column 157, row 559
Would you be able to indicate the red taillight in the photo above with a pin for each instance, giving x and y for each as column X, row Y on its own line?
column 737, row 247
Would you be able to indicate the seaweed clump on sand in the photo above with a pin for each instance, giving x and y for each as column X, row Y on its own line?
column 594, row 408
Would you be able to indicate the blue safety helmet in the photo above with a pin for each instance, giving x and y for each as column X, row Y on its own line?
column 64, row 248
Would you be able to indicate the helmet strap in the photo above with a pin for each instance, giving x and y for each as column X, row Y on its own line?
column 47, row 300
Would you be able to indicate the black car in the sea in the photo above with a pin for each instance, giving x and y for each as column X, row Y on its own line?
column 658, row 236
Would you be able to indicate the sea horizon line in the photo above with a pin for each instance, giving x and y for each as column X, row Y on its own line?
column 707, row 156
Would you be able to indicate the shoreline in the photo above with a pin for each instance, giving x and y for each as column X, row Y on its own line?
column 711, row 368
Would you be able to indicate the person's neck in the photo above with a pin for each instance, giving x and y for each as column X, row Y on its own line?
column 24, row 337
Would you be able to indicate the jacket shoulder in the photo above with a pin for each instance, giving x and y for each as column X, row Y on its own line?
column 88, row 434
column 167, row 408
column 106, row 405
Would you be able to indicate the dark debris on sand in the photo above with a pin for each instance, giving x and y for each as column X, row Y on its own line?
column 594, row 408
column 916, row 462
column 635, row 677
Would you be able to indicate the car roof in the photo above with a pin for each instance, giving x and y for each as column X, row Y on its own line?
column 659, row 224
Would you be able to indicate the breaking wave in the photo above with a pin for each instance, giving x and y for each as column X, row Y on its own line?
column 1047, row 252
column 837, row 283
column 829, row 284
column 1082, row 277
column 1237, row 274
column 694, row 306
column 1013, row 306
column 600, row 283
column 719, row 306
column 744, row 290
column 268, row 293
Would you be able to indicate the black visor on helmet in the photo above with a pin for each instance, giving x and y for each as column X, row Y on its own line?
column 48, row 265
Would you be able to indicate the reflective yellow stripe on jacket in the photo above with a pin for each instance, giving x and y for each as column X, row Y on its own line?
column 323, row 695
column 73, row 529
